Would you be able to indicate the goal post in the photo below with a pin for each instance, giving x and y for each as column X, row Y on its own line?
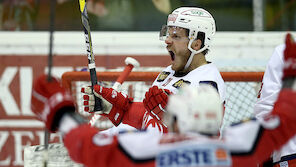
column 69, row 77
column 241, row 90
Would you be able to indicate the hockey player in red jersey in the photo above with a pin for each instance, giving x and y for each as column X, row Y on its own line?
column 188, row 35
column 193, row 115
column 270, row 88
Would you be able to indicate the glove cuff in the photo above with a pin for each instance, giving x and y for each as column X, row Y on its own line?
column 116, row 116
column 158, row 112
column 57, row 104
column 66, row 110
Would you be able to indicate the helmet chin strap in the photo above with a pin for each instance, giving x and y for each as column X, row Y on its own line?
column 193, row 52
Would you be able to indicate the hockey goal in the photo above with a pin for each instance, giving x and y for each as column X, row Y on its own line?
column 241, row 90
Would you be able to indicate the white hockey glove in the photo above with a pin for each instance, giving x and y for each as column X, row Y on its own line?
column 89, row 101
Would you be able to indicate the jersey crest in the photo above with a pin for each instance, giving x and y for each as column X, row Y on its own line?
column 180, row 83
column 162, row 76
column 194, row 155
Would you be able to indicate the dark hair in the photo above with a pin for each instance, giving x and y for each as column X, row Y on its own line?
column 200, row 36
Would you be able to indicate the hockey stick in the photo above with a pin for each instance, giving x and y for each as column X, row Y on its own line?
column 130, row 64
column 51, row 29
column 89, row 49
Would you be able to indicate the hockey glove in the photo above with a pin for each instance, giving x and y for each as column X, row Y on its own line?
column 89, row 102
column 114, row 103
column 50, row 101
column 289, row 58
column 155, row 101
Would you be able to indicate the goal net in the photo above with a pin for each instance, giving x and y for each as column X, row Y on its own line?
column 241, row 91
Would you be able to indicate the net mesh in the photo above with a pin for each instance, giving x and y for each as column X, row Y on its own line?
column 241, row 91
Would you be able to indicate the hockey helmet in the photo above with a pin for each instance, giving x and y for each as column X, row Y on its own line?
column 195, row 109
column 195, row 20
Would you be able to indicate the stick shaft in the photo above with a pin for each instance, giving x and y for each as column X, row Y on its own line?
column 51, row 30
column 50, row 60
column 89, row 49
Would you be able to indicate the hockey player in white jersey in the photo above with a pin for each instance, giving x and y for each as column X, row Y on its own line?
column 188, row 34
column 270, row 88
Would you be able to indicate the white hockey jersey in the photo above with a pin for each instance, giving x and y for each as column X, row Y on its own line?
column 168, row 79
column 177, row 150
column 205, row 74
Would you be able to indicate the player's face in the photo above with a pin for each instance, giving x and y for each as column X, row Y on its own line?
column 177, row 41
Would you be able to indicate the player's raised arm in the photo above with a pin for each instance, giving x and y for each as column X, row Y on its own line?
column 261, row 138
column 54, row 106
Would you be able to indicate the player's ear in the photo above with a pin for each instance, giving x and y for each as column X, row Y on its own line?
column 196, row 44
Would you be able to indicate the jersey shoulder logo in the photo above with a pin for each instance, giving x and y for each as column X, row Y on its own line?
column 162, row 76
column 180, row 83
column 214, row 84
